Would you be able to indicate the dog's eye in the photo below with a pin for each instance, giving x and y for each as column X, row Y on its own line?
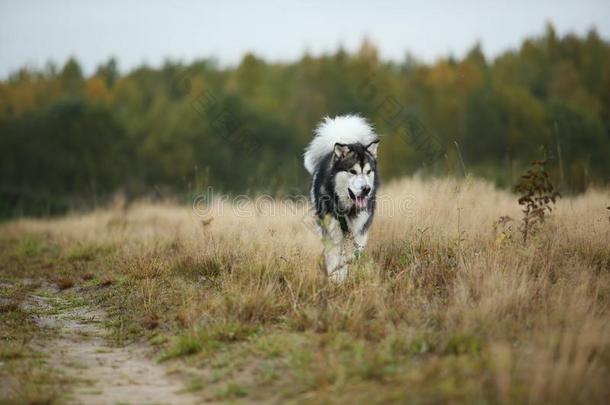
column 368, row 172
column 353, row 171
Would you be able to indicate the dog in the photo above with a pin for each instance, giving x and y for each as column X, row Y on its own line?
column 342, row 160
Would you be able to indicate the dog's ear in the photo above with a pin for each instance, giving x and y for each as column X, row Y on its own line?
column 341, row 150
column 372, row 148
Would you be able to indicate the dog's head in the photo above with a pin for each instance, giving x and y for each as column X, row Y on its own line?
column 355, row 167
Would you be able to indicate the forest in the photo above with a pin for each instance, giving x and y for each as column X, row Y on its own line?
column 70, row 140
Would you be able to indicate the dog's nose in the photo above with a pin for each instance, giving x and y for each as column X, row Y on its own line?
column 366, row 190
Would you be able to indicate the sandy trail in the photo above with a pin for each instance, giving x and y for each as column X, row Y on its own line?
column 104, row 374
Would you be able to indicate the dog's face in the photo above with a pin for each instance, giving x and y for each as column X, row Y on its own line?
column 355, row 166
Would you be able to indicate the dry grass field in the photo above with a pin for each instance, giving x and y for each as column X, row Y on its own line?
column 445, row 306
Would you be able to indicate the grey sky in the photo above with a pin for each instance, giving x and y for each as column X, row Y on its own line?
column 34, row 32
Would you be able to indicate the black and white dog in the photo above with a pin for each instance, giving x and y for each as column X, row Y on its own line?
column 342, row 159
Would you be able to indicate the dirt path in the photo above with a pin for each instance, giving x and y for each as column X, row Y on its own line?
column 103, row 374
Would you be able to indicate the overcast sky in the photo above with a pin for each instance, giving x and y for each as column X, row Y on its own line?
column 34, row 32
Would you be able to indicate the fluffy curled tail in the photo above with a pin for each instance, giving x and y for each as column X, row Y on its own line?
column 345, row 129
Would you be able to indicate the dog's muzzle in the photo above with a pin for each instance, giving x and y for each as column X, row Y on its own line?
column 362, row 199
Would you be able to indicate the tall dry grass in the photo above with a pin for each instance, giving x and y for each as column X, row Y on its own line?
column 444, row 305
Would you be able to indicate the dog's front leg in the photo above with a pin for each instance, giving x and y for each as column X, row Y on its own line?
column 335, row 262
column 336, row 265
column 360, row 239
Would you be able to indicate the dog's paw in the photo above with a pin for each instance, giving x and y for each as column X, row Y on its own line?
column 338, row 275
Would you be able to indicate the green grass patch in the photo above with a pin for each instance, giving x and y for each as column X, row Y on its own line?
column 464, row 344
column 231, row 391
column 207, row 339
column 184, row 345
column 13, row 351
column 87, row 252
column 194, row 385
column 30, row 246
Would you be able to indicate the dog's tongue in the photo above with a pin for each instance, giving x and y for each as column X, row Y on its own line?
column 360, row 202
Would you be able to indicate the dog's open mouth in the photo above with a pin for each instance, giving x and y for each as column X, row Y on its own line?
column 360, row 201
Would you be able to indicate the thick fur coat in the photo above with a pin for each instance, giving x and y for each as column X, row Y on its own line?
column 342, row 159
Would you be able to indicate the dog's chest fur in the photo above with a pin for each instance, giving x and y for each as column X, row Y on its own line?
column 357, row 222
column 327, row 202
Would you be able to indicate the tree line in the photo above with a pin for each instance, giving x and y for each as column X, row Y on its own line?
column 69, row 139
